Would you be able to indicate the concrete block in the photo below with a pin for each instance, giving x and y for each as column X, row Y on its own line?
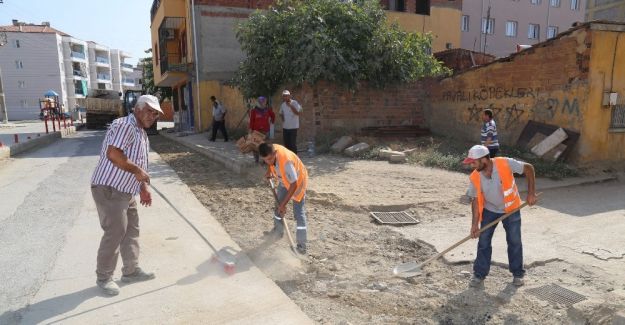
column 550, row 142
column 397, row 159
column 356, row 149
column 341, row 144
column 387, row 153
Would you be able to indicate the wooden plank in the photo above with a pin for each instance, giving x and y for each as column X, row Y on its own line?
column 550, row 142
column 555, row 153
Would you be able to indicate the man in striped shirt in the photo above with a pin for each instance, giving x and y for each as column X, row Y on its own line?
column 489, row 133
column 121, row 174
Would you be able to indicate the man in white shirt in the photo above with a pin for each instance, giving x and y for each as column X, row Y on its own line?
column 219, row 119
column 290, row 110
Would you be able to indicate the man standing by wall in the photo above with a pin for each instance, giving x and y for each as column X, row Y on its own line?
column 493, row 192
column 219, row 119
column 121, row 174
column 489, row 133
column 293, row 181
column 290, row 110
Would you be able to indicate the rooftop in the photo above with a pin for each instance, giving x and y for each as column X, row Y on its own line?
column 22, row 27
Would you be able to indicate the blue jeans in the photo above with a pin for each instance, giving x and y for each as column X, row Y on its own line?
column 512, row 225
column 299, row 212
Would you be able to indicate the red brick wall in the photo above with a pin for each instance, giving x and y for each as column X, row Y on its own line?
column 332, row 108
column 547, row 83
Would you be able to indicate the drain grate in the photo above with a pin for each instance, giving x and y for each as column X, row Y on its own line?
column 394, row 218
column 556, row 294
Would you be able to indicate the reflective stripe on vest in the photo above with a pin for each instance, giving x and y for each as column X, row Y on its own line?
column 283, row 155
column 511, row 197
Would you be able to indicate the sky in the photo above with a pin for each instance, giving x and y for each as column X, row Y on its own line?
column 118, row 24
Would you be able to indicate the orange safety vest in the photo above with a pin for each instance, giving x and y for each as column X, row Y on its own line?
column 511, row 197
column 283, row 155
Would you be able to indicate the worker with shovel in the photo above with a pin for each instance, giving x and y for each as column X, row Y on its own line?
column 293, row 180
column 494, row 193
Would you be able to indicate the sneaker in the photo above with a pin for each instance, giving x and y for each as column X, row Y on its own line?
column 108, row 286
column 137, row 276
column 518, row 281
column 301, row 249
column 476, row 282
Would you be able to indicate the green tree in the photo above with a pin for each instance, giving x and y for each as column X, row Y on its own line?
column 148, row 79
column 300, row 41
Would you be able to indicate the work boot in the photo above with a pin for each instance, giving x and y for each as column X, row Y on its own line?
column 108, row 286
column 518, row 281
column 137, row 276
column 301, row 249
column 476, row 282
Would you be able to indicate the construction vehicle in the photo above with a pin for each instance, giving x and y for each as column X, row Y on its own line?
column 104, row 106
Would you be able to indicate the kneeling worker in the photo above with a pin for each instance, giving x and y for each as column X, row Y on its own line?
column 293, row 179
column 494, row 192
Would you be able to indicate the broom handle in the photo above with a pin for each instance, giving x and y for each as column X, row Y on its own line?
column 469, row 237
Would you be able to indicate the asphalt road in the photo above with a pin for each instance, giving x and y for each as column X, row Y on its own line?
column 41, row 194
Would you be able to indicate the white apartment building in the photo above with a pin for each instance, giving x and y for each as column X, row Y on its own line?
column 497, row 27
column 38, row 58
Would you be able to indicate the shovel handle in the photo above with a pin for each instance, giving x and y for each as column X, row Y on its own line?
column 284, row 223
column 490, row 225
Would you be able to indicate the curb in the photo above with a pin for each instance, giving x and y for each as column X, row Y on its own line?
column 19, row 148
column 231, row 163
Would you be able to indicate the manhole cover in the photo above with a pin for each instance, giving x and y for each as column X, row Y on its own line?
column 394, row 218
column 556, row 294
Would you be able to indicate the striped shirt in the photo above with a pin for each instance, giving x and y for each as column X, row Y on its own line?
column 128, row 136
column 489, row 130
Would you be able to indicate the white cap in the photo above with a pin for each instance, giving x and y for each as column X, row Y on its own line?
column 286, row 92
column 152, row 101
column 476, row 152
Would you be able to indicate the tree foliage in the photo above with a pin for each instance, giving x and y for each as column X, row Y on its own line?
column 148, row 80
column 300, row 41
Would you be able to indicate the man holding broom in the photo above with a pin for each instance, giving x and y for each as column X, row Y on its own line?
column 493, row 193
column 293, row 180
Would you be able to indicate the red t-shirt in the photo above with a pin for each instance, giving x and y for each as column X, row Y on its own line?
column 261, row 118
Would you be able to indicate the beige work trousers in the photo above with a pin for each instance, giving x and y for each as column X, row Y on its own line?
column 120, row 222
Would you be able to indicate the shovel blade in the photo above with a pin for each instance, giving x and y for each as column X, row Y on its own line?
column 407, row 270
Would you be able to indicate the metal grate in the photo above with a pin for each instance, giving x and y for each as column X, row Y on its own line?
column 394, row 218
column 556, row 294
column 618, row 117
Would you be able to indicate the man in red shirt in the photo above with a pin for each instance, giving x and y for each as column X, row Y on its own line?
column 261, row 117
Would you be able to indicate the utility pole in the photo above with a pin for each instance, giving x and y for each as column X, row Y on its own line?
column 3, row 105
column 486, row 27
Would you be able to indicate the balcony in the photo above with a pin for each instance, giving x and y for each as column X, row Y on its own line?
column 126, row 67
column 78, row 73
column 103, row 77
column 103, row 60
column 128, row 82
column 78, row 55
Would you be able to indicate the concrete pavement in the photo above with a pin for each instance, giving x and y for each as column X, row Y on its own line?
column 188, row 287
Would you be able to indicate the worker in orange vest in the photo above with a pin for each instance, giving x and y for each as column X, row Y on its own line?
column 493, row 193
column 293, row 180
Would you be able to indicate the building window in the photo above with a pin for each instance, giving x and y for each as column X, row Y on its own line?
column 23, row 103
column 423, row 7
column 618, row 117
column 536, row 2
column 464, row 25
column 488, row 26
column 511, row 28
column 397, row 5
column 552, row 31
column 16, row 43
column 575, row 4
column 19, row 64
column 554, row 3
column 533, row 31
column 21, row 84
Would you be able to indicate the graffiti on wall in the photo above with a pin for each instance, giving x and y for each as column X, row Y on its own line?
column 550, row 107
column 489, row 93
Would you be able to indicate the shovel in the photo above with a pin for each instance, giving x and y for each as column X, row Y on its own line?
column 286, row 227
column 226, row 256
column 410, row 269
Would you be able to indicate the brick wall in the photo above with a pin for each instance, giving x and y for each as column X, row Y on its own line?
column 252, row 4
column 547, row 83
column 333, row 108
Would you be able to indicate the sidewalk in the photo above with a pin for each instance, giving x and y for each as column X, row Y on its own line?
column 30, row 135
column 188, row 288
column 225, row 153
